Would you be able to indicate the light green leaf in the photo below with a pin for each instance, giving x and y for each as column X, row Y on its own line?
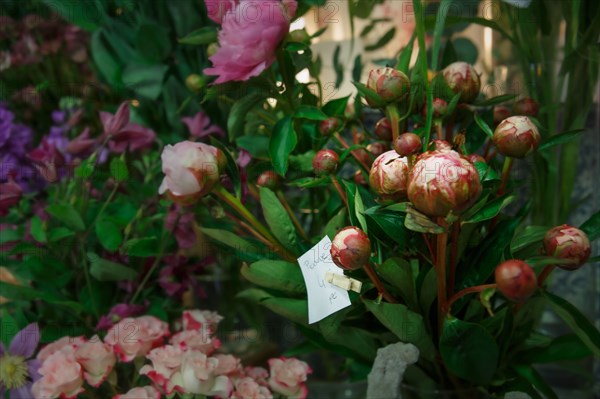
column 109, row 234
column 483, row 125
column 276, row 274
column 66, row 214
column 309, row 112
column 278, row 219
column 118, row 169
column 283, row 141
column 202, row 36
column 105, row 270
column 37, row 229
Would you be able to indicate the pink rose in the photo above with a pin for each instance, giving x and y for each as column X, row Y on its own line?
column 97, row 359
column 216, row 9
column 228, row 365
column 191, row 169
column 61, row 375
column 50, row 349
column 258, row 374
column 197, row 376
column 133, row 337
column 201, row 320
column 288, row 377
column 166, row 361
column 249, row 36
column 140, row 393
column 196, row 340
column 247, row 388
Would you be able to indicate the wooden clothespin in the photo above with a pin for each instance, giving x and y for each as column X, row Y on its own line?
column 344, row 282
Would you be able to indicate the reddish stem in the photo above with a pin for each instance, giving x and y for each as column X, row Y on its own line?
column 488, row 147
column 466, row 291
column 339, row 189
column 355, row 153
column 545, row 273
column 378, row 284
column 449, row 131
column 440, row 266
column 453, row 256
column 430, row 247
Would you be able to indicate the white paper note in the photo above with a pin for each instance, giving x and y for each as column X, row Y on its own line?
column 323, row 298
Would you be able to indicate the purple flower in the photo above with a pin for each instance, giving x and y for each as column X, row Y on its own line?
column 178, row 276
column 120, row 312
column 15, row 141
column 122, row 134
column 17, row 373
column 200, row 126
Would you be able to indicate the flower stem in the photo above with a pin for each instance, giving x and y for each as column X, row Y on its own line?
column 545, row 273
column 439, row 133
column 453, row 256
column 440, row 268
column 344, row 144
column 394, row 117
column 235, row 203
column 339, row 189
column 378, row 284
column 508, row 161
column 466, row 291
column 293, row 217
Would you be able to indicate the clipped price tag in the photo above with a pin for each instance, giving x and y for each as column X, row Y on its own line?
column 324, row 298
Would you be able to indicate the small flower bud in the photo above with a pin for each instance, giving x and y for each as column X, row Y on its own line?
column 325, row 162
column 269, row 179
column 462, row 78
column 442, row 181
column 329, row 126
column 516, row 137
column 376, row 149
column 299, row 35
column 516, row 280
column 526, row 106
column 569, row 243
column 475, row 158
column 440, row 108
column 439, row 145
column 212, row 49
column 195, row 83
column 389, row 176
column 389, row 83
column 383, row 129
column 407, row 144
column 500, row 114
column 350, row 248
column 359, row 178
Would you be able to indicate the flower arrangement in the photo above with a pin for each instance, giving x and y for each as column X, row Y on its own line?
column 210, row 157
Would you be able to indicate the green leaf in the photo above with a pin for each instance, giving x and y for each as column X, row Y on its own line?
column 483, row 125
column 383, row 40
column 276, row 274
column 359, row 209
column 428, row 292
column 292, row 309
column 109, row 234
column 437, row 32
column 407, row 325
column 66, row 214
column 8, row 235
column 283, row 141
column 398, row 272
column 491, row 209
column 85, row 169
column 369, row 94
column 118, row 169
column 416, row 221
column 202, row 36
column 152, row 41
column 529, row 235
column 591, row 227
column 406, row 55
column 387, row 225
column 311, row 182
column 83, row 13
column 531, row 375
column 357, row 68
column 237, row 115
column 105, row 270
column 37, row 229
column 142, row 247
column 145, row 80
column 278, row 219
column 230, row 239
column 560, row 349
column 231, row 168
column 580, row 325
column 24, row 293
column 336, row 223
column 336, row 107
column 469, row 351
column 104, row 57
column 59, row 233
column 309, row 112
column 495, row 100
column 562, row 138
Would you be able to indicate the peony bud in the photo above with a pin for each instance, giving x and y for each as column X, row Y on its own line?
column 389, row 83
column 500, row 114
column 475, row 158
column 526, row 106
column 439, row 145
column 407, row 144
column 325, row 162
column 516, row 280
column 350, row 248
column 569, row 243
column 376, row 149
column 516, row 137
column 269, row 179
column 195, row 82
column 359, row 178
column 440, row 108
column 383, row 129
column 191, row 170
column 462, row 78
column 329, row 126
column 389, row 176
column 299, row 35
column 442, row 181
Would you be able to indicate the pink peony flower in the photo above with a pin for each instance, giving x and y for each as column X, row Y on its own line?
column 140, row 393
column 52, row 348
column 97, row 359
column 166, row 361
column 61, row 375
column 216, row 9
column 228, row 365
column 247, row 388
column 258, row 374
column 288, row 377
column 196, row 340
column 134, row 337
column 197, row 376
column 201, row 320
column 249, row 36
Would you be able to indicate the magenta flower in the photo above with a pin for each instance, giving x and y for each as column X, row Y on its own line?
column 216, row 9
column 122, row 134
column 47, row 159
column 17, row 373
column 249, row 37
column 119, row 312
column 200, row 126
column 10, row 195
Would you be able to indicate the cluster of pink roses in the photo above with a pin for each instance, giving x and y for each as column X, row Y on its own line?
column 185, row 362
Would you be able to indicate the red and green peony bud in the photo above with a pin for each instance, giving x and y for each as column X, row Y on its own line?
column 389, row 176
column 568, row 243
column 195, row 82
column 299, row 35
column 526, row 106
column 475, row 158
column 359, row 178
column 389, row 83
column 325, row 162
column 407, row 144
column 376, row 149
column 440, row 108
column 269, row 179
column 329, row 126
column 442, row 181
column 462, row 78
column 439, row 145
column 516, row 137
column 350, row 248
column 501, row 113
column 383, row 129
column 516, row 280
